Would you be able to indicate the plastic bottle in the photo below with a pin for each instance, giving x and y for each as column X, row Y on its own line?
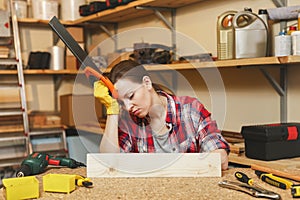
column 298, row 21
column 283, row 44
column 296, row 43
column 263, row 14
column 291, row 29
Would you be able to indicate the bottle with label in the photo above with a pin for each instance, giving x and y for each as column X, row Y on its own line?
column 283, row 44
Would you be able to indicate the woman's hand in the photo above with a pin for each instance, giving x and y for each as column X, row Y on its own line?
column 102, row 94
column 224, row 158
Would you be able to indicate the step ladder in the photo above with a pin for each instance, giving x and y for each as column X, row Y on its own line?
column 14, row 125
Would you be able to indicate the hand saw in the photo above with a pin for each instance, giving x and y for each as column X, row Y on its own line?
column 88, row 65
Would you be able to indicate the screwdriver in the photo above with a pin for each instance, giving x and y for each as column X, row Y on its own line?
column 243, row 178
column 274, row 180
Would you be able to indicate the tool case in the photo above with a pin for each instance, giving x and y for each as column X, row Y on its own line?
column 98, row 6
column 272, row 141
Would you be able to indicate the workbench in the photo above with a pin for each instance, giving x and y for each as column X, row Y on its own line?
column 156, row 188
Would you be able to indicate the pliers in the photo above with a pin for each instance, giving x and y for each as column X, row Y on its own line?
column 251, row 190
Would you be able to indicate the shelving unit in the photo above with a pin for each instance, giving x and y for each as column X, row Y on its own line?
column 143, row 8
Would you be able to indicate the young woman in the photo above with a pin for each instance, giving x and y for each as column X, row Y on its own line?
column 146, row 118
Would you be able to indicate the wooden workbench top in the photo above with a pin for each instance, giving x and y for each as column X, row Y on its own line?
column 156, row 188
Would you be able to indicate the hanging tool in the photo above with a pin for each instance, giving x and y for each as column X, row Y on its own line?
column 36, row 163
column 251, row 190
column 91, row 70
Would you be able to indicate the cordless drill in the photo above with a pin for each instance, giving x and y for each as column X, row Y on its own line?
column 36, row 163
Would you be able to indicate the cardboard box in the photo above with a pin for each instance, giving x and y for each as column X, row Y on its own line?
column 69, row 53
column 77, row 33
column 72, row 63
column 272, row 141
column 80, row 109
column 40, row 119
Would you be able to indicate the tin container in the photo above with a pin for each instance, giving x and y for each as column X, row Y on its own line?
column 57, row 61
column 21, row 8
column 225, row 35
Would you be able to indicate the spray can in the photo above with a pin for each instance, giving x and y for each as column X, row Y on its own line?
column 283, row 44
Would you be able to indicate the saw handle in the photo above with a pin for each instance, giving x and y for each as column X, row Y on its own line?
column 90, row 71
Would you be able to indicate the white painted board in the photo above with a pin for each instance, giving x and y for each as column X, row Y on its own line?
column 154, row 165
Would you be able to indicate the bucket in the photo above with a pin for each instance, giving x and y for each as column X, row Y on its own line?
column 250, row 34
column 21, row 8
column 70, row 9
column 57, row 58
column 44, row 9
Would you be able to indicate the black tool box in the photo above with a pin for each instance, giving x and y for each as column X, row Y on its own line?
column 98, row 6
column 272, row 141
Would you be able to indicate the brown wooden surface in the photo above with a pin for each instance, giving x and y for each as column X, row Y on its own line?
column 291, row 164
column 157, row 188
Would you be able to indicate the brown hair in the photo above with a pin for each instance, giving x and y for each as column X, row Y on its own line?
column 135, row 72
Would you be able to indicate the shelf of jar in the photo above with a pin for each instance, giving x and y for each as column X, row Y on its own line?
column 120, row 13
column 41, row 72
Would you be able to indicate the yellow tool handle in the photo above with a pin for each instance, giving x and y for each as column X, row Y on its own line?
column 274, row 180
column 88, row 71
column 243, row 178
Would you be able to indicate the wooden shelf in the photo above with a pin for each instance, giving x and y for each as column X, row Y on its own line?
column 182, row 66
column 120, row 13
column 41, row 72
column 228, row 63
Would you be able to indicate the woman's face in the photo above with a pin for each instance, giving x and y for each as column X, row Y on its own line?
column 135, row 97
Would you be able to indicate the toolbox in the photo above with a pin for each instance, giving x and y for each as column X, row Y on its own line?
column 272, row 141
column 98, row 6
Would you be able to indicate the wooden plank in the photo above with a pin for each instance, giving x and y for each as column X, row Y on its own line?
column 11, row 129
column 291, row 164
column 154, row 165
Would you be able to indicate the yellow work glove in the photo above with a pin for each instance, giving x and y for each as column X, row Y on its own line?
column 102, row 94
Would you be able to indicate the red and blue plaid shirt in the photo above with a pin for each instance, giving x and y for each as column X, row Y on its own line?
column 191, row 129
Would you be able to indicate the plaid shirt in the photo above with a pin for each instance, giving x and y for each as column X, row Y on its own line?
column 192, row 129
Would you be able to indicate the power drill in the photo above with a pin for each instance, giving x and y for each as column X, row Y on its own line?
column 36, row 163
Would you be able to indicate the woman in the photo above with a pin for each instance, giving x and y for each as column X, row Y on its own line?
column 147, row 118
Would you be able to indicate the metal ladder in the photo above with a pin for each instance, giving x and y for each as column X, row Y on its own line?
column 14, row 133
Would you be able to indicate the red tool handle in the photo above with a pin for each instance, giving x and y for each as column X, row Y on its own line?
column 88, row 71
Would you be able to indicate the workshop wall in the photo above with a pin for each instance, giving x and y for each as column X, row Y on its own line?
column 249, row 98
